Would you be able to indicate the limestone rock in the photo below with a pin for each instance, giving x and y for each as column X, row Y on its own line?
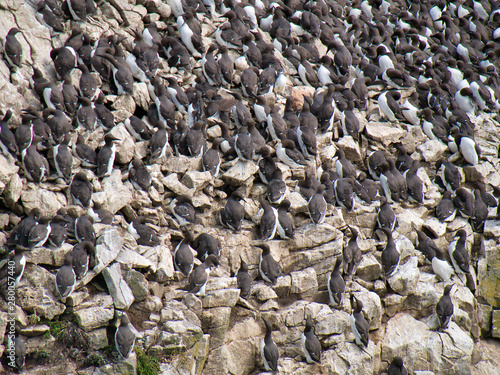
column 98, row 338
column 436, row 227
column 406, row 277
column 95, row 314
column 12, row 191
column 369, row 269
column 196, row 180
column 126, row 145
column 372, row 308
column 240, row 172
column 263, row 292
column 8, row 168
column 118, row 287
column 380, row 132
column 304, row 283
column 138, row 284
column 298, row 93
column 172, row 183
column 495, row 324
column 432, row 150
column 48, row 201
column 350, row 148
column 118, row 195
column 221, row 298
column 189, row 332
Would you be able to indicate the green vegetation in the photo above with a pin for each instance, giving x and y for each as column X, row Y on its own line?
column 56, row 328
column 146, row 365
column 41, row 356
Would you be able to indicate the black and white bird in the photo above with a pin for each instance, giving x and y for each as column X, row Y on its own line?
column 81, row 190
column 183, row 254
column 414, row 183
column 84, row 229
column 336, row 284
column 19, row 260
column 66, row 278
column 390, row 255
column 244, row 279
column 480, row 212
column 286, row 226
column 276, row 187
column 106, row 156
column 268, row 349
column 82, row 253
column 183, row 210
column 143, row 234
column 39, row 233
column 359, row 325
column 441, row 267
column 269, row 269
column 425, row 245
column 231, row 216
column 445, row 210
column 198, row 278
column 317, row 206
column 444, row 308
column 458, row 253
column 464, row 202
column 397, row 367
column 206, row 244
column 386, row 218
column 139, row 175
column 13, row 50
column 344, row 193
column 268, row 221
column 351, row 253
column 124, row 337
column 310, row 343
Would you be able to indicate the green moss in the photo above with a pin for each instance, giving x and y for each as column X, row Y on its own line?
column 56, row 328
column 94, row 360
column 146, row 365
column 42, row 356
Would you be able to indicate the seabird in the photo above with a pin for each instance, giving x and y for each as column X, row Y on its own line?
column 286, row 225
column 19, row 351
column 343, row 188
column 81, row 190
column 403, row 161
column 441, row 267
column 211, row 160
column 449, row 175
column 343, row 166
column 386, row 218
column 310, row 343
column 287, row 152
column 183, row 210
column 7, row 138
column 84, row 229
column 211, row 70
column 143, row 234
column 468, row 148
column 106, row 156
column 359, row 325
column 35, row 165
column 183, row 254
column 139, row 175
column 389, row 107
column 20, row 233
column 58, row 122
column 226, row 65
column 444, row 308
column 351, row 253
column 277, row 127
column 464, row 202
column 66, row 278
column 425, row 245
column 138, row 128
column 124, row 337
column 268, row 349
column 336, row 284
column 249, row 82
column 458, row 253
column 414, row 183
column 375, row 163
column 445, row 210
column 158, row 143
column 397, row 367
column 58, row 230
column 82, row 253
column 268, row 221
column 269, row 269
column 85, row 153
column 199, row 277
column 244, row 279
column 233, row 212
column 390, row 255
column 19, row 260
column 65, row 60
column 13, row 50
column 39, row 233
column 243, row 144
column 317, row 206
column 100, row 215
column 276, row 188
column 480, row 212
column 389, row 184
column 206, row 244
column 267, row 165
column 195, row 139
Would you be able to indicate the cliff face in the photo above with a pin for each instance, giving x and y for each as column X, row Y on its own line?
column 220, row 333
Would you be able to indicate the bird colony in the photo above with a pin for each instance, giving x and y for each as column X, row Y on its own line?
column 237, row 187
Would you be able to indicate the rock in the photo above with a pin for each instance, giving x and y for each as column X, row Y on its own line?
column 221, row 298
column 330, row 321
column 134, row 259
column 126, row 366
column 44, row 255
column 196, row 180
column 118, row 287
column 372, row 308
column 172, row 183
column 37, row 295
column 436, row 227
column 489, row 280
column 380, row 132
column 8, row 168
column 369, row 269
column 98, row 338
column 241, row 356
column 181, row 164
column 125, row 148
column 189, row 332
column 141, row 95
column 304, row 283
column 492, row 228
column 297, row 203
column 350, row 148
column 157, row 6
column 479, row 172
column 358, row 361
column 298, row 93
column 432, row 150
column 310, row 236
column 95, row 313
column 12, row 191
column 35, row 330
column 240, row 172
column 393, row 303
column 263, row 292
column 495, row 324
column 406, row 277
column 138, row 284
column 161, row 258
column 124, row 103
column 118, row 195
column 215, row 322
column 48, row 201
column 423, row 296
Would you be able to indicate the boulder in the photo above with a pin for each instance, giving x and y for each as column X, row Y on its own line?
column 406, row 277
column 48, row 201
column 432, row 150
column 220, row 298
column 118, row 287
column 95, row 313
column 382, row 133
column 304, row 283
column 117, row 193
column 240, row 172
